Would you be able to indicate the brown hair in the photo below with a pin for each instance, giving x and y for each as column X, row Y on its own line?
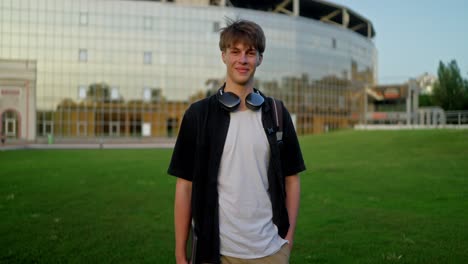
column 244, row 31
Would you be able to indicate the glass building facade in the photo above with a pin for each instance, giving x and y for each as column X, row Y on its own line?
column 112, row 68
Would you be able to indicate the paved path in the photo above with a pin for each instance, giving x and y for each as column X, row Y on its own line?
column 151, row 145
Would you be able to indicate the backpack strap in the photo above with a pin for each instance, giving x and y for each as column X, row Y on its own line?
column 278, row 117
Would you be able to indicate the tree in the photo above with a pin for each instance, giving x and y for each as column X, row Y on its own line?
column 450, row 90
column 98, row 92
column 426, row 100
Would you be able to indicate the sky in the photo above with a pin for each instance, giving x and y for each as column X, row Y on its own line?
column 413, row 36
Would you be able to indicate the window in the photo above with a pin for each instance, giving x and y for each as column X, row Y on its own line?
column 83, row 55
column 152, row 94
column 147, row 57
column 216, row 27
column 83, row 19
column 146, row 129
column 146, row 94
column 82, row 92
column 45, row 123
column 10, row 123
column 115, row 93
column 341, row 101
column 47, row 127
column 156, row 95
column 114, row 128
column 147, row 22
column 81, row 128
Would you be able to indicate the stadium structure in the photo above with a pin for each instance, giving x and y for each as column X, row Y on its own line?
column 119, row 69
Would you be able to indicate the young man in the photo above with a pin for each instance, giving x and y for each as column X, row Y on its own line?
column 237, row 183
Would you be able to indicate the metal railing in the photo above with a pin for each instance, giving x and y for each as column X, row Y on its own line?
column 456, row 117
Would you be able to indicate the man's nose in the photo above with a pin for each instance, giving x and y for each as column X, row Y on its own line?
column 243, row 58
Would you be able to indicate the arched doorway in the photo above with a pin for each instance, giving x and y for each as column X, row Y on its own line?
column 10, row 124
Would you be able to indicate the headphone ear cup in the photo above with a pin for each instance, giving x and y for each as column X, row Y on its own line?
column 254, row 101
column 229, row 101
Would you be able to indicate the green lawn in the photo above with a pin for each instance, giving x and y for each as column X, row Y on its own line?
column 367, row 197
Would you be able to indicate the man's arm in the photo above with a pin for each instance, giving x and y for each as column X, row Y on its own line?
column 182, row 216
column 293, row 191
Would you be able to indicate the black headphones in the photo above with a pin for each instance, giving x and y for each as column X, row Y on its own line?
column 230, row 101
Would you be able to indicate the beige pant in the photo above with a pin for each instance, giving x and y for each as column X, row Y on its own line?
column 280, row 257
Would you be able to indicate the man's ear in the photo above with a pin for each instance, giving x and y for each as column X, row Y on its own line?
column 223, row 56
column 259, row 60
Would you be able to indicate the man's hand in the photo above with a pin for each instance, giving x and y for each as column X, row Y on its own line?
column 293, row 191
column 182, row 216
column 290, row 240
column 182, row 261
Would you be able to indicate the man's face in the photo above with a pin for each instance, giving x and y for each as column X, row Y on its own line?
column 241, row 62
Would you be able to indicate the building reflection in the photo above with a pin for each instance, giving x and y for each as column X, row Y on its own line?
column 130, row 69
column 317, row 106
column 100, row 116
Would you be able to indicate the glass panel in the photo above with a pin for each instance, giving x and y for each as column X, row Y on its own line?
column 318, row 70
column 147, row 22
column 83, row 19
column 147, row 57
column 114, row 93
column 83, row 55
column 82, row 92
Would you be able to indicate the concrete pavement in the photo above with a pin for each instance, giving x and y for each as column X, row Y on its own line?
column 155, row 144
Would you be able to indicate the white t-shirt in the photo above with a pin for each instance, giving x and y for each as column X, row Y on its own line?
column 245, row 214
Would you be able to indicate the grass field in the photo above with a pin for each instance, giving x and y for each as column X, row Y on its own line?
column 367, row 197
